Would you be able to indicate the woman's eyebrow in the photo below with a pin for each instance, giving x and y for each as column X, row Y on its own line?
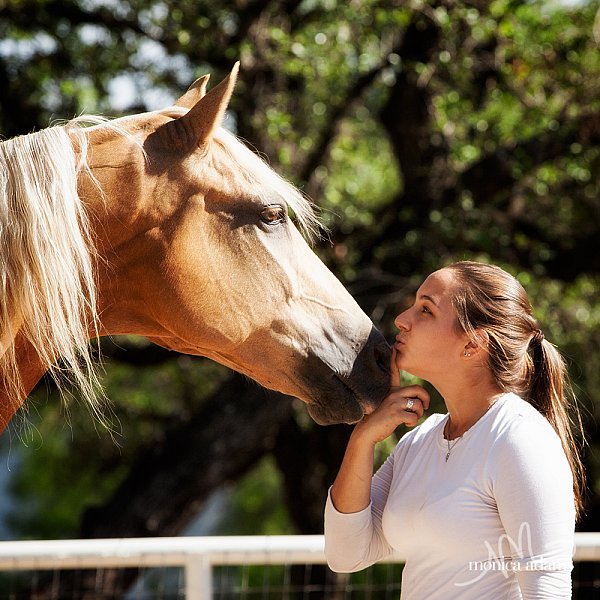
column 426, row 297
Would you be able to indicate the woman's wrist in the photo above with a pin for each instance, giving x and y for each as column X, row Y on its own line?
column 362, row 439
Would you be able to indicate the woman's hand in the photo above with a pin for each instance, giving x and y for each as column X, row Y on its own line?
column 351, row 491
column 402, row 406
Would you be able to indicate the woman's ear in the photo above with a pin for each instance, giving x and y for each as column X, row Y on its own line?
column 477, row 343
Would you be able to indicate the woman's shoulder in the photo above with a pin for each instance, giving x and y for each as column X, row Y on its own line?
column 515, row 414
column 519, row 426
column 525, row 448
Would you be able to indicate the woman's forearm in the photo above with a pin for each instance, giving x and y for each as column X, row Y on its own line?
column 351, row 491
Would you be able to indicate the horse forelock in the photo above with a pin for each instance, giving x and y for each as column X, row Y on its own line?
column 257, row 172
column 47, row 288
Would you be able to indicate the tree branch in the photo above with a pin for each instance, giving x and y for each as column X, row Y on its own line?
column 337, row 113
column 528, row 154
column 37, row 16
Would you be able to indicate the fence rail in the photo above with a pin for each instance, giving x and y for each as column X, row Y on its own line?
column 196, row 555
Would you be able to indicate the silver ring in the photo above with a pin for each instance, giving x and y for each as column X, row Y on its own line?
column 409, row 404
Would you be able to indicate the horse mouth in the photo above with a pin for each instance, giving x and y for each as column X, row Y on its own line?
column 347, row 407
column 345, row 396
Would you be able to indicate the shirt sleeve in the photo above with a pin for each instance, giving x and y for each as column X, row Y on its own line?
column 354, row 541
column 533, row 488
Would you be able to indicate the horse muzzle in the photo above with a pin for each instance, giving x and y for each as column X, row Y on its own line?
column 346, row 397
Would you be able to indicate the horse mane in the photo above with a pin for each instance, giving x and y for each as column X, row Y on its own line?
column 259, row 173
column 47, row 284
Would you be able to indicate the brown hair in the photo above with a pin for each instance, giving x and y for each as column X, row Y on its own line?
column 520, row 359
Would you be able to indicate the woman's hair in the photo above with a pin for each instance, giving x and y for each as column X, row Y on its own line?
column 521, row 360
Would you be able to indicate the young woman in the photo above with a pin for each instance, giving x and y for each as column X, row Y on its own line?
column 481, row 501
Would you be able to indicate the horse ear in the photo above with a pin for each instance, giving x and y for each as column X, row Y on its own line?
column 195, row 92
column 195, row 128
column 206, row 115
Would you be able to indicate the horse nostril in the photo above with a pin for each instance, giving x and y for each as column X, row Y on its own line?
column 382, row 357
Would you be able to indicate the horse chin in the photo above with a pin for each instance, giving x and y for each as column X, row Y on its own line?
column 351, row 412
column 337, row 403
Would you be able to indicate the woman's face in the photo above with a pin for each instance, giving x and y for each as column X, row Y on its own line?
column 428, row 344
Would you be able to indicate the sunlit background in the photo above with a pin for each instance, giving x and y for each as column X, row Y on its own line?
column 425, row 131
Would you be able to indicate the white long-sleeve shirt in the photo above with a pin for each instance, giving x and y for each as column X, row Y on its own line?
column 494, row 522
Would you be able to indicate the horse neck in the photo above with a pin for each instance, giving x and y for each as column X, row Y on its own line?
column 117, row 190
column 31, row 370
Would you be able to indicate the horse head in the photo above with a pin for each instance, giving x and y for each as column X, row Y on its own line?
column 197, row 251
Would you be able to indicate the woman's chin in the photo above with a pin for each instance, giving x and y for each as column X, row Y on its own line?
column 413, row 371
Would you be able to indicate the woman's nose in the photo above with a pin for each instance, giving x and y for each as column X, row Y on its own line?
column 401, row 321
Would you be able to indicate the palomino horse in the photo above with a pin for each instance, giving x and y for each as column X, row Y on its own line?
column 164, row 225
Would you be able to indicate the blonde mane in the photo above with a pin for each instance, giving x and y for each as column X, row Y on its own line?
column 47, row 286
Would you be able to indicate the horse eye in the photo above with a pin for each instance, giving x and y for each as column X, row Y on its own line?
column 272, row 215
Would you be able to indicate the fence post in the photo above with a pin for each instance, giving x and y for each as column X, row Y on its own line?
column 198, row 578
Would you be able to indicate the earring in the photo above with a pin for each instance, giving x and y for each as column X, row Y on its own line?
column 467, row 353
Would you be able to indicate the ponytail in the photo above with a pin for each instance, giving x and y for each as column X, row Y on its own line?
column 550, row 393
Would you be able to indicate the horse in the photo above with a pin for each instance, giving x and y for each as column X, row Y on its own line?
column 165, row 225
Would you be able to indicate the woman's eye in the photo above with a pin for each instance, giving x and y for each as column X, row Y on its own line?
column 272, row 215
column 425, row 310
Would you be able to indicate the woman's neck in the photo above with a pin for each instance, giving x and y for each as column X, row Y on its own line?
column 467, row 405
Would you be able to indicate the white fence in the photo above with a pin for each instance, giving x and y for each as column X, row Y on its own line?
column 196, row 555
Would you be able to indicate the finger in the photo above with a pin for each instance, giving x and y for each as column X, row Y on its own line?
column 403, row 399
column 416, row 407
column 394, row 370
column 413, row 405
column 414, row 391
column 411, row 419
column 402, row 405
